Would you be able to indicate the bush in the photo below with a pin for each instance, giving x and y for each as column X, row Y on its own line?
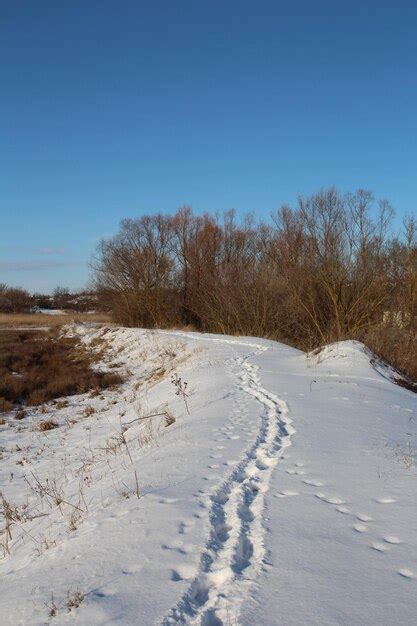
column 14, row 300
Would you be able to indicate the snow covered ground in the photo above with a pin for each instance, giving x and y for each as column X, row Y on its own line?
column 52, row 311
column 285, row 492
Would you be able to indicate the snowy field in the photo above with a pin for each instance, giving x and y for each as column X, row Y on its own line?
column 278, row 489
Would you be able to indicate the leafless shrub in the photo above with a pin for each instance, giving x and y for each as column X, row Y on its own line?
column 180, row 389
column 52, row 607
column 51, row 490
column 10, row 515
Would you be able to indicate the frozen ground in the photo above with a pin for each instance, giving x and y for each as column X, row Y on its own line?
column 287, row 495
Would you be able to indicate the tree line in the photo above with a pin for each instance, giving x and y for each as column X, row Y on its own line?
column 326, row 269
column 18, row 300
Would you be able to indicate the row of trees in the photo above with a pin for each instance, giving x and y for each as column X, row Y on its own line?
column 14, row 299
column 17, row 300
column 326, row 269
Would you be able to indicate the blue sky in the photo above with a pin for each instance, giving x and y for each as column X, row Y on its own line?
column 111, row 109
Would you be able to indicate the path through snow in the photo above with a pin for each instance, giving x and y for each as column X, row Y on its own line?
column 234, row 554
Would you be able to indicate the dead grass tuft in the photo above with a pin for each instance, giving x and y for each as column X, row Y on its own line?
column 89, row 410
column 61, row 404
column 45, row 425
column 74, row 599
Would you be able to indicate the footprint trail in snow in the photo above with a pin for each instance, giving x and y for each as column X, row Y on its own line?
column 235, row 552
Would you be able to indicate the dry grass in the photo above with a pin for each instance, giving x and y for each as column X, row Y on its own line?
column 36, row 367
column 30, row 320
column 45, row 425
column 74, row 599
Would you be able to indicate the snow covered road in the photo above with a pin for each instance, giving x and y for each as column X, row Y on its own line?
column 287, row 496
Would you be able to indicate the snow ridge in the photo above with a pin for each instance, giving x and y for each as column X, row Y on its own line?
column 235, row 553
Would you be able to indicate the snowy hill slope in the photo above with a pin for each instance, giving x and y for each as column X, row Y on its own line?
column 287, row 494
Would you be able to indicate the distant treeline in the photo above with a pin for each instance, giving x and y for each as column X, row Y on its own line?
column 17, row 300
column 329, row 268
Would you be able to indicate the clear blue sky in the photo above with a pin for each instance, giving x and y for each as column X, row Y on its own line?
column 110, row 109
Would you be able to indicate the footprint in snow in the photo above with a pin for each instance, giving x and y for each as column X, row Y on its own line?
column 393, row 539
column 364, row 518
column 360, row 528
column 379, row 547
column 183, row 572
column 329, row 499
column 134, row 569
column 343, row 509
column 286, row 494
column 385, row 500
column 296, row 472
column 173, row 545
column 263, row 462
column 184, row 527
column 406, row 573
column 313, row 483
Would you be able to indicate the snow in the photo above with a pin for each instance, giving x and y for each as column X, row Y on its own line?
column 286, row 496
column 52, row 311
